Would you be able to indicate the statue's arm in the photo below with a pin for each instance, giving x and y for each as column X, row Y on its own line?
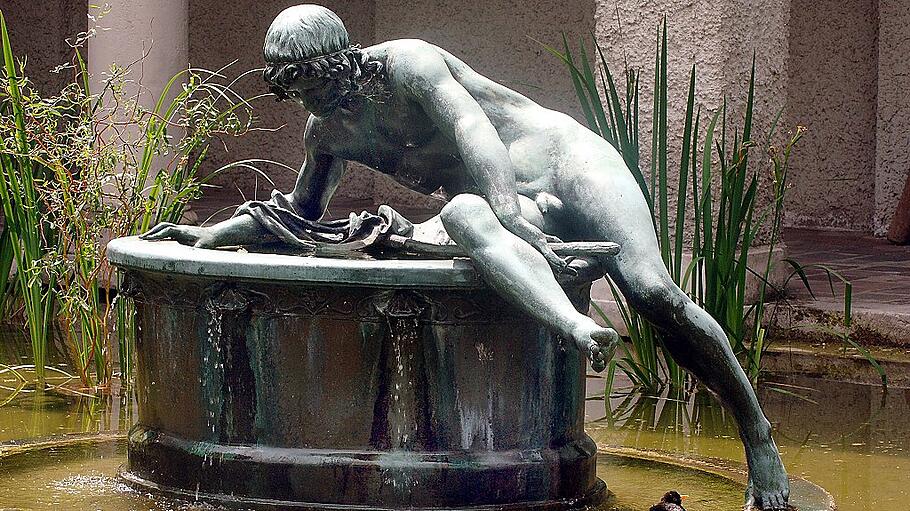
column 460, row 117
column 318, row 179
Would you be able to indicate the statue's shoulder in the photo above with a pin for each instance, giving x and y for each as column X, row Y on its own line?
column 403, row 49
column 408, row 60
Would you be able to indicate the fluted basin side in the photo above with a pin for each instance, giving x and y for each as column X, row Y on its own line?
column 307, row 382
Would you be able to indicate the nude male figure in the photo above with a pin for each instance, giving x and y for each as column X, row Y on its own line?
column 516, row 173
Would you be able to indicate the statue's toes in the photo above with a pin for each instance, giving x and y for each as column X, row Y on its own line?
column 594, row 349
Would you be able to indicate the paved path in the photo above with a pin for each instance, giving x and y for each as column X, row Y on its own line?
column 878, row 270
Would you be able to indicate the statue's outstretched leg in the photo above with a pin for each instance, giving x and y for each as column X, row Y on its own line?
column 603, row 203
column 698, row 343
column 521, row 274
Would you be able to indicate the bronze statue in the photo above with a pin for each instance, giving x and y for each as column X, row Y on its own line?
column 519, row 175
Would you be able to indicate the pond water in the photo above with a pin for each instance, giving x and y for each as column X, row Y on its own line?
column 83, row 476
column 853, row 440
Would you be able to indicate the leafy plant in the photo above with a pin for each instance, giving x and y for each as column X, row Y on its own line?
column 79, row 168
column 726, row 213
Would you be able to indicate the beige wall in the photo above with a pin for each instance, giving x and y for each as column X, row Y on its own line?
column 833, row 75
column 151, row 31
column 39, row 31
column 850, row 69
column 493, row 37
column 224, row 30
column 718, row 36
column 833, row 66
column 893, row 116
column 497, row 39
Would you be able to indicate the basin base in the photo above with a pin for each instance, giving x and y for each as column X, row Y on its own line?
column 594, row 498
column 296, row 478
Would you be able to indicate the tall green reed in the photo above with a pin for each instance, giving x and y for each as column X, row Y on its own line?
column 24, row 234
column 718, row 194
column 80, row 167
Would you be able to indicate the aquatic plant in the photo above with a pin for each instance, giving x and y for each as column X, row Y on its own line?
column 724, row 208
column 80, row 167
column 25, row 237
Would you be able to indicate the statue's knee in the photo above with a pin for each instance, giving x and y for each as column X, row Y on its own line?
column 470, row 221
column 656, row 293
column 464, row 209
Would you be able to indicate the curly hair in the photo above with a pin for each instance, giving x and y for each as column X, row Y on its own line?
column 310, row 41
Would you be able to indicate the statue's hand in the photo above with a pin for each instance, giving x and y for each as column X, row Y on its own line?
column 560, row 265
column 520, row 227
column 192, row 235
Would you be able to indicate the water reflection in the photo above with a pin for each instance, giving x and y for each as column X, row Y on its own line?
column 850, row 438
column 858, row 418
column 61, row 405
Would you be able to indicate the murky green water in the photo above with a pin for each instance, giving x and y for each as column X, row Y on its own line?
column 81, row 477
column 854, row 440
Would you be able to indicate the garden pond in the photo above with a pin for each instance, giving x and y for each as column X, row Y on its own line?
column 61, row 448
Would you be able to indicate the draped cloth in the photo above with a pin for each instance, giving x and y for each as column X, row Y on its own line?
column 388, row 230
column 334, row 237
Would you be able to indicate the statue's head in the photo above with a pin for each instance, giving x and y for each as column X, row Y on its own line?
column 311, row 60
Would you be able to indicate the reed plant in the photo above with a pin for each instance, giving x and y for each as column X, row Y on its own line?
column 80, row 167
column 25, row 236
column 718, row 194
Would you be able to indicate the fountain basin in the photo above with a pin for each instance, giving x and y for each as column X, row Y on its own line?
column 303, row 382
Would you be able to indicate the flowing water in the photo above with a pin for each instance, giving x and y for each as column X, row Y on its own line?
column 853, row 440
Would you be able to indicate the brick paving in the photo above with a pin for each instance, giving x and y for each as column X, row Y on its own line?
column 878, row 270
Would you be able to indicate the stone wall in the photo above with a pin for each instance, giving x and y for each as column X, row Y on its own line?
column 893, row 116
column 833, row 76
column 39, row 30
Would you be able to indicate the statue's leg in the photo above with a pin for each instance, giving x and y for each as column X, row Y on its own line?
column 698, row 343
column 615, row 211
column 519, row 273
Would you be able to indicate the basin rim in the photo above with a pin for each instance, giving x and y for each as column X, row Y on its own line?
column 133, row 253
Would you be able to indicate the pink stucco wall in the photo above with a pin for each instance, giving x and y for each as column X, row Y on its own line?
column 718, row 37
column 893, row 113
column 39, row 31
column 222, row 31
column 838, row 67
column 833, row 92
column 495, row 37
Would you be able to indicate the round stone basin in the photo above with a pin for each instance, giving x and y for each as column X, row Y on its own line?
column 79, row 472
column 302, row 382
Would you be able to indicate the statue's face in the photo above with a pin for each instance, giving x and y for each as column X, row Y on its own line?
column 320, row 96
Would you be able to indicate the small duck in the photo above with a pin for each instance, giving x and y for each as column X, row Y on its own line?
column 671, row 501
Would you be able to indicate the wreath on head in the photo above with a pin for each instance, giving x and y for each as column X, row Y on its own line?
column 349, row 66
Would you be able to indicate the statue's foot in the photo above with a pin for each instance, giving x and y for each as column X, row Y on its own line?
column 598, row 344
column 769, row 488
